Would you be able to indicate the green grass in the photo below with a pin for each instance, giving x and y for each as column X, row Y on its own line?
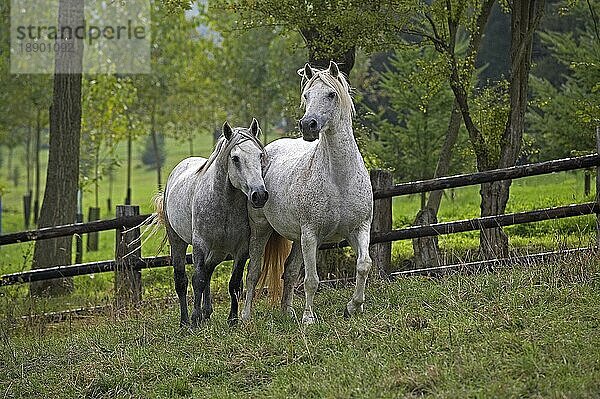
column 526, row 332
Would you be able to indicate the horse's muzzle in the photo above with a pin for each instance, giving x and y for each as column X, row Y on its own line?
column 310, row 128
column 259, row 198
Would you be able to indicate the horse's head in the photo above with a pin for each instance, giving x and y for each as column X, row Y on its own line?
column 325, row 96
column 245, row 163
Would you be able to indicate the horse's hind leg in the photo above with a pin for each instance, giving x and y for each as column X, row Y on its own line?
column 360, row 243
column 290, row 277
column 178, row 248
column 235, row 287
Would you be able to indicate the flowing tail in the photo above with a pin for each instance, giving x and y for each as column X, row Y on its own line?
column 159, row 207
column 153, row 222
column 277, row 250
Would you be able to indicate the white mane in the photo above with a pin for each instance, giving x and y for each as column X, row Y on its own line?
column 339, row 84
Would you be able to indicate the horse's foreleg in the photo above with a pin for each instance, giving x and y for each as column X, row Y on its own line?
column 207, row 307
column 235, row 287
column 258, row 240
column 202, row 272
column 309, row 244
column 360, row 243
column 290, row 276
column 178, row 247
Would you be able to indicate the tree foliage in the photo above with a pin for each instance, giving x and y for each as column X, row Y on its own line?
column 564, row 116
column 105, row 122
column 412, row 124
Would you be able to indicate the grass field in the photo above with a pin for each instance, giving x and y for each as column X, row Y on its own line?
column 528, row 332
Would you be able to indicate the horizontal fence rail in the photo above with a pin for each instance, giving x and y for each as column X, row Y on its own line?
column 394, row 235
column 478, row 223
column 71, row 229
column 542, row 168
column 29, row 276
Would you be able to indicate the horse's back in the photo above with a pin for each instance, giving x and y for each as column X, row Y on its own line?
column 179, row 192
column 285, row 150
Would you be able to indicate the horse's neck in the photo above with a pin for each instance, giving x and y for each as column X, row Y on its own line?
column 337, row 151
column 223, row 192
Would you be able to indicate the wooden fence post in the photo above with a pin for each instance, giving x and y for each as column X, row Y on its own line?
column 597, row 189
column 381, row 254
column 128, row 279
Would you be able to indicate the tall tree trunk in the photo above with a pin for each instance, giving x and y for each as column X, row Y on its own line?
column 426, row 249
column 60, row 196
column 28, row 157
column 38, row 137
column 96, row 177
column 525, row 18
column 155, row 144
column 9, row 166
column 27, row 196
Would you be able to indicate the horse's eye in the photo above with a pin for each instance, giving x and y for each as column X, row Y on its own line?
column 235, row 159
column 331, row 95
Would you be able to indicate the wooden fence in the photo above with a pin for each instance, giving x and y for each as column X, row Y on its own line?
column 128, row 268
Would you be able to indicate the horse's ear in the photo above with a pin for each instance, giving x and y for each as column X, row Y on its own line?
column 306, row 72
column 254, row 128
column 227, row 130
column 333, row 69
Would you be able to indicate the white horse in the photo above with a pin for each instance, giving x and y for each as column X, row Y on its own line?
column 320, row 192
column 205, row 204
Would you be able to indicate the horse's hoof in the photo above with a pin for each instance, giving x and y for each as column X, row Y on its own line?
column 288, row 311
column 206, row 314
column 184, row 329
column 245, row 317
column 196, row 320
column 347, row 314
column 184, row 323
column 308, row 319
column 351, row 309
column 232, row 322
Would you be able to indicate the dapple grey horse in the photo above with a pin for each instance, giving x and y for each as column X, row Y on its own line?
column 320, row 192
column 205, row 204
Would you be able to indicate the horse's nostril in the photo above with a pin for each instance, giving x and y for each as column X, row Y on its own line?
column 254, row 197
column 313, row 125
